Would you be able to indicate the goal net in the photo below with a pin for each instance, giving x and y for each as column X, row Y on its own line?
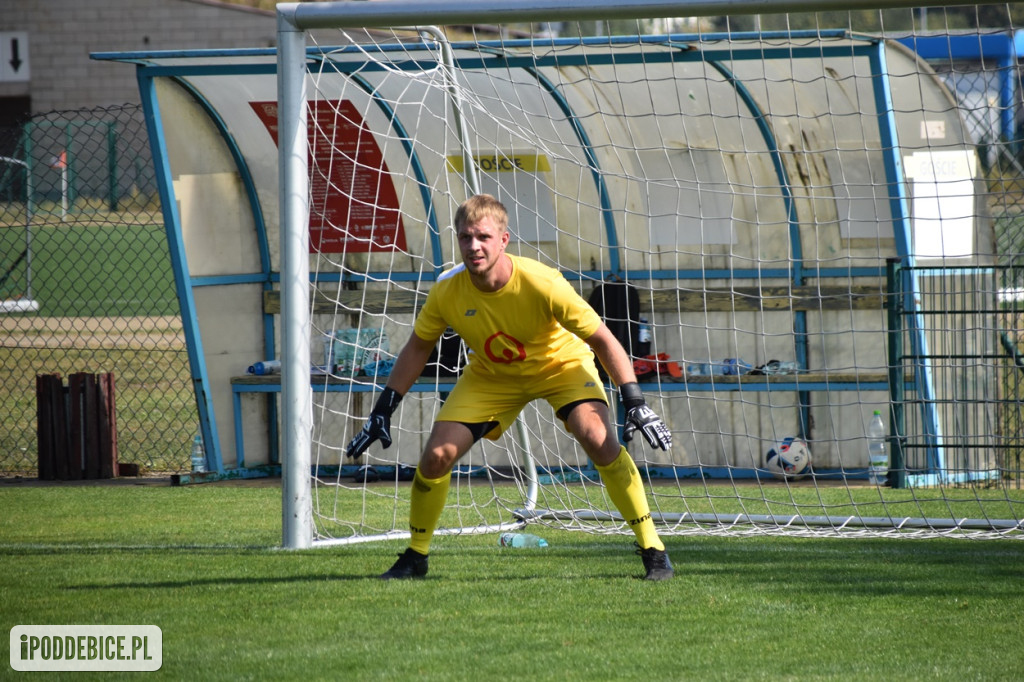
column 788, row 229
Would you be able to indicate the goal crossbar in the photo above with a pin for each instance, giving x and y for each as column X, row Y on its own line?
column 397, row 13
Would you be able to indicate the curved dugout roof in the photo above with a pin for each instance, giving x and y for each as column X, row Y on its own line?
column 777, row 141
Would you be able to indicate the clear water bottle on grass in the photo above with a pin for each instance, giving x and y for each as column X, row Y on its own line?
column 521, row 540
column 878, row 451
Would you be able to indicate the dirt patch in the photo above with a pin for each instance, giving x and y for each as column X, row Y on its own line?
column 161, row 332
column 28, row 480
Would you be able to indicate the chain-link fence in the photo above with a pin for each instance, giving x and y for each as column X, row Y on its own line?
column 86, row 283
column 978, row 88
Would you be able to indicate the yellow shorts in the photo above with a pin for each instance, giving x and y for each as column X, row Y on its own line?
column 479, row 398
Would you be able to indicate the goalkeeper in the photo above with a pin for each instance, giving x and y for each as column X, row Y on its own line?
column 530, row 336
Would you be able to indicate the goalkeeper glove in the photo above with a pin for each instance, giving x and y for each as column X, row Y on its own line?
column 640, row 417
column 377, row 426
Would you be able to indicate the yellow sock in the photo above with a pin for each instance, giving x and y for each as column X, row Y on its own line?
column 626, row 490
column 426, row 505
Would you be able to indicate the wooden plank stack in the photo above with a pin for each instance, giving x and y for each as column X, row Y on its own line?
column 76, row 427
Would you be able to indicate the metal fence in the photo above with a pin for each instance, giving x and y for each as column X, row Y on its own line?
column 962, row 423
column 86, row 283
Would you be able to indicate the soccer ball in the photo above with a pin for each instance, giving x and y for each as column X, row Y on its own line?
column 789, row 459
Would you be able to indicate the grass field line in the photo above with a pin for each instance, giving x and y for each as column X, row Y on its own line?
column 71, row 547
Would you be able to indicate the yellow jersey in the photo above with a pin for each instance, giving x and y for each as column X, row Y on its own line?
column 534, row 324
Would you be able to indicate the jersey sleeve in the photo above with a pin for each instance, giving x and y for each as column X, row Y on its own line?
column 571, row 311
column 430, row 323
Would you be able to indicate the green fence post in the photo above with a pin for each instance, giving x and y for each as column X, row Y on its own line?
column 68, row 173
column 112, row 198
column 897, row 476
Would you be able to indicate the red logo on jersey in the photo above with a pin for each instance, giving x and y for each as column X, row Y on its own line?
column 504, row 349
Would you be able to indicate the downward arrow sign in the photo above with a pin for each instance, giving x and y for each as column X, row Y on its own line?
column 15, row 59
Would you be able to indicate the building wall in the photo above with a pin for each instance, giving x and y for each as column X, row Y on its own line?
column 62, row 34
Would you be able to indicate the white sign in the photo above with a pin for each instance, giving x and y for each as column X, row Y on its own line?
column 943, row 204
column 14, row 56
column 933, row 130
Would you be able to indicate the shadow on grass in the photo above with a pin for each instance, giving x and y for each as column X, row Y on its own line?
column 856, row 566
column 870, row 566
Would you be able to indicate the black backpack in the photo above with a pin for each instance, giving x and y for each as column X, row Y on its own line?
column 446, row 358
column 618, row 304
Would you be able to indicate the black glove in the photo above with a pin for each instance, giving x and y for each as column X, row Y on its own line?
column 641, row 417
column 377, row 426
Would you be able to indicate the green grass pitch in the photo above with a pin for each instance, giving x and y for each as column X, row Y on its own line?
column 91, row 270
column 201, row 563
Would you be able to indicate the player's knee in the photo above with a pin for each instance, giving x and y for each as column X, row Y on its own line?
column 604, row 453
column 437, row 460
column 599, row 443
column 588, row 422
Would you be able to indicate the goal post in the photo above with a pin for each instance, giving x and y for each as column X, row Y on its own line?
column 296, row 393
column 751, row 188
column 22, row 300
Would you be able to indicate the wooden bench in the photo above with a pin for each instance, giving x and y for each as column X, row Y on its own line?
column 775, row 299
column 681, row 300
column 767, row 299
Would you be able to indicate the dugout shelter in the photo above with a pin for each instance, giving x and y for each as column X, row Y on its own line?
column 759, row 160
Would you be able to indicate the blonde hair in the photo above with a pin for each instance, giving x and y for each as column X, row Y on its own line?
column 478, row 207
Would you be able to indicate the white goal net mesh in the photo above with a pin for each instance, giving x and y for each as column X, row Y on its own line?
column 789, row 231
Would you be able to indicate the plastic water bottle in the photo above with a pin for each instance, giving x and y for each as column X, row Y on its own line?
column 785, row 367
column 198, row 454
column 521, row 540
column 789, row 367
column 878, row 451
column 267, row 367
column 718, row 368
column 697, row 369
column 734, row 367
column 643, row 337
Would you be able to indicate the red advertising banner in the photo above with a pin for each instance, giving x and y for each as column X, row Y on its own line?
column 353, row 202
